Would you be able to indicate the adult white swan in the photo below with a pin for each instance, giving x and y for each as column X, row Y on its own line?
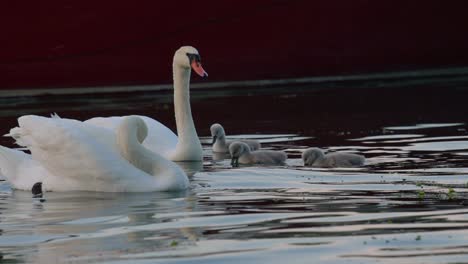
column 71, row 155
column 185, row 147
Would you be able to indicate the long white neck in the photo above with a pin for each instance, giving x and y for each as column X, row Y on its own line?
column 189, row 146
column 132, row 150
column 221, row 143
column 168, row 175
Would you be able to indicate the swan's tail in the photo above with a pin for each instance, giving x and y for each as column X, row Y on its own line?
column 55, row 115
column 37, row 131
column 10, row 161
column 19, row 136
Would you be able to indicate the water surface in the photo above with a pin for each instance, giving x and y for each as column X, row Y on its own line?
column 407, row 205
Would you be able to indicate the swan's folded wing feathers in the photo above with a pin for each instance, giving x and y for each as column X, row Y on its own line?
column 19, row 169
column 10, row 161
column 160, row 139
column 111, row 122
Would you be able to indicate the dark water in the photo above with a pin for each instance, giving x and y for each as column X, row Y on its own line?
column 407, row 205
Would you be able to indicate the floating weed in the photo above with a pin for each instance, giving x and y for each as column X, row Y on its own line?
column 418, row 237
column 421, row 194
column 174, row 243
column 451, row 193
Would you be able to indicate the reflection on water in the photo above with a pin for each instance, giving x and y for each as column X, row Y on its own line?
column 407, row 204
column 191, row 167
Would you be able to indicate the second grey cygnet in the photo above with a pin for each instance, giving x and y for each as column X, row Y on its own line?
column 220, row 144
column 241, row 153
column 314, row 157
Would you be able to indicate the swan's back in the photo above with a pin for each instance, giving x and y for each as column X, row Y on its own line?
column 160, row 139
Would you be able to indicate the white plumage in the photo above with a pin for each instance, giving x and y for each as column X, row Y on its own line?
column 71, row 155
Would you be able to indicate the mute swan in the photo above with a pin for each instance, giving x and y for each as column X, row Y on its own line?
column 70, row 155
column 220, row 144
column 240, row 152
column 187, row 146
column 314, row 157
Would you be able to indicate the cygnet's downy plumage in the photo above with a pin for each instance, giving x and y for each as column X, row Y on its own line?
column 241, row 153
column 314, row 157
column 220, row 144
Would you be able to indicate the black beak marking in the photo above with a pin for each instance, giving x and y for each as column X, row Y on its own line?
column 194, row 57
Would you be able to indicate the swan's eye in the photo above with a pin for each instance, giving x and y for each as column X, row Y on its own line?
column 193, row 57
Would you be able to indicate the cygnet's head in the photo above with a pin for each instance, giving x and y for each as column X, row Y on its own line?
column 237, row 149
column 187, row 57
column 310, row 155
column 217, row 131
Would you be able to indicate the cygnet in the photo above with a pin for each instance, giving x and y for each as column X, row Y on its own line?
column 314, row 157
column 241, row 153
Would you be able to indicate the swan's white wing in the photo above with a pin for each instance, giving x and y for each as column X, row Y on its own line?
column 20, row 170
column 80, row 160
column 160, row 139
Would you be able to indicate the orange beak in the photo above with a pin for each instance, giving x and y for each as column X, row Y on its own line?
column 196, row 66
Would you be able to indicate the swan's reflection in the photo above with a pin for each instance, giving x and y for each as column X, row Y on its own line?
column 113, row 222
column 220, row 156
column 191, row 167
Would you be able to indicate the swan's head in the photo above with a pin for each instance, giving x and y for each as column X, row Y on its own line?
column 132, row 123
column 237, row 149
column 37, row 190
column 217, row 131
column 310, row 155
column 188, row 57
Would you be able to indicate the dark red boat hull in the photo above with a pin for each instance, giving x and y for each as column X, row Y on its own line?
column 102, row 43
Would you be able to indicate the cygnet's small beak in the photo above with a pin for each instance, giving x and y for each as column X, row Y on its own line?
column 214, row 140
column 197, row 67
